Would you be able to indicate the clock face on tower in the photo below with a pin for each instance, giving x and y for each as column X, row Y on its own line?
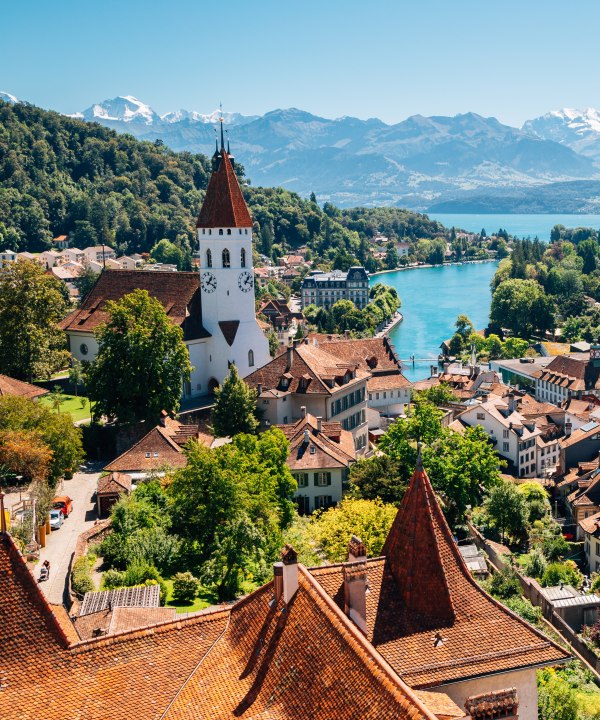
column 209, row 282
column 245, row 281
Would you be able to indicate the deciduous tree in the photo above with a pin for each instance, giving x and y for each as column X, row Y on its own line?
column 235, row 407
column 142, row 361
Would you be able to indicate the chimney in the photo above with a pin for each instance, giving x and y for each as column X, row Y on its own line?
column 355, row 593
column 319, row 424
column 303, row 411
column 446, row 367
column 346, row 334
column 259, row 389
column 290, row 357
column 289, row 561
column 356, row 550
column 306, row 436
column 512, row 402
column 163, row 418
column 277, row 581
column 568, row 429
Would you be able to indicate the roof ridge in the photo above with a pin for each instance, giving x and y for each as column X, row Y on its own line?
column 399, row 687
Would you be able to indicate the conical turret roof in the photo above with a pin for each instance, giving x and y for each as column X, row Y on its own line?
column 224, row 205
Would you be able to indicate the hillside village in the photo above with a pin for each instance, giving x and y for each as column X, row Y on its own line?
column 259, row 514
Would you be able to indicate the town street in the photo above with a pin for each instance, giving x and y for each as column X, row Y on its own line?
column 60, row 545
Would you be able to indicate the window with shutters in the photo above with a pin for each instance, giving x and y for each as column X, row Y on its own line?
column 323, row 501
column 322, row 479
column 301, row 479
column 303, row 505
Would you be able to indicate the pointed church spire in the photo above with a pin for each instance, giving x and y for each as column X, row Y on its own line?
column 416, row 549
column 221, row 121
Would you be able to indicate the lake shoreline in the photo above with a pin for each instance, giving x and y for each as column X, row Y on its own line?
column 427, row 266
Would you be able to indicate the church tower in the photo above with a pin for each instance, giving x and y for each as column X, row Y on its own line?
column 227, row 275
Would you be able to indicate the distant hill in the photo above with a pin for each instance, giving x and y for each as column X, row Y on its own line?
column 62, row 175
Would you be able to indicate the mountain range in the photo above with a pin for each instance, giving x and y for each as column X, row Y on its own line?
column 462, row 163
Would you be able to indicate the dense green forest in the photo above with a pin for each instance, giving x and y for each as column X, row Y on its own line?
column 60, row 175
column 546, row 286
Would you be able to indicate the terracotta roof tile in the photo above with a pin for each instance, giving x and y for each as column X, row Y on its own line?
column 178, row 293
column 114, row 483
column 327, row 452
column 224, row 205
column 423, row 588
column 10, row 386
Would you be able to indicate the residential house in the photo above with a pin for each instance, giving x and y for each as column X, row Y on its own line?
column 411, row 629
column 520, row 372
column 584, row 501
column 320, row 457
column 10, row 386
column 403, row 248
column 129, row 263
column 568, row 376
column 99, row 253
column 69, row 272
column 388, row 390
column 281, row 319
column 327, row 386
column 50, row 258
column 514, row 437
column 581, row 445
column 61, row 241
column 73, row 255
column 28, row 256
column 580, row 412
column 590, row 529
column 7, row 257
column 109, row 489
column 161, row 447
column 325, row 289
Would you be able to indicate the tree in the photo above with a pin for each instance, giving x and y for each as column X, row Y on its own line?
column 57, row 432
column 458, row 465
column 56, row 398
column 556, row 699
column 370, row 520
column 273, row 343
column 31, row 305
column 76, row 375
column 85, row 281
column 507, row 509
column 378, row 477
column 230, row 505
column 23, row 452
column 166, row 251
column 141, row 362
column 521, row 306
column 234, row 410
column 464, row 327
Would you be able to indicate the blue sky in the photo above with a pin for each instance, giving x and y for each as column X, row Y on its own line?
column 383, row 58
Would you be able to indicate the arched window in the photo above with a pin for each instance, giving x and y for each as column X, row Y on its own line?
column 229, row 231
column 250, row 358
column 243, row 257
column 221, row 231
column 226, row 258
column 208, row 258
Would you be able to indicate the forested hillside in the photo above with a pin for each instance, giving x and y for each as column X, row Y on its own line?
column 59, row 175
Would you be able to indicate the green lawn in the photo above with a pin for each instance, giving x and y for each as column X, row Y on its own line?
column 71, row 405
column 203, row 600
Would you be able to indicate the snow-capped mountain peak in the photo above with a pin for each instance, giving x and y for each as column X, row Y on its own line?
column 7, row 97
column 124, row 108
column 578, row 129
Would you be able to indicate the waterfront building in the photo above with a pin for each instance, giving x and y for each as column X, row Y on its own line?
column 214, row 308
column 325, row 289
column 570, row 376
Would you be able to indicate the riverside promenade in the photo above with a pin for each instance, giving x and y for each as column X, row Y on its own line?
column 396, row 319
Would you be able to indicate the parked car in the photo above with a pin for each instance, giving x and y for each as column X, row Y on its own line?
column 56, row 519
column 64, row 503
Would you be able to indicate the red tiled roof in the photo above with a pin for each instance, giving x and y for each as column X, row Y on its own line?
column 328, row 453
column 10, row 386
column 224, row 205
column 178, row 293
column 251, row 660
column 422, row 588
column 115, row 482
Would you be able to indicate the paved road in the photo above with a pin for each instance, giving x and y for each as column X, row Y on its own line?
column 61, row 543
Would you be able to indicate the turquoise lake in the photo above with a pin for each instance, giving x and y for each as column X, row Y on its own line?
column 431, row 300
column 518, row 225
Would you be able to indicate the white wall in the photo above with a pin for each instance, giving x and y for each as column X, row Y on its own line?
column 312, row 491
column 523, row 680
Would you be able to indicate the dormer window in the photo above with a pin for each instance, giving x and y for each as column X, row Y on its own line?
column 313, row 450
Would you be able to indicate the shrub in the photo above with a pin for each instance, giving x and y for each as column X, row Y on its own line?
column 505, row 584
column 113, row 579
column 154, row 546
column 555, row 548
column 536, row 565
column 140, row 573
column 81, row 580
column 565, row 572
column 523, row 608
column 556, row 699
column 185, row 586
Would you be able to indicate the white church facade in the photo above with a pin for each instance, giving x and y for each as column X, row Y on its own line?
column 214, row 308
